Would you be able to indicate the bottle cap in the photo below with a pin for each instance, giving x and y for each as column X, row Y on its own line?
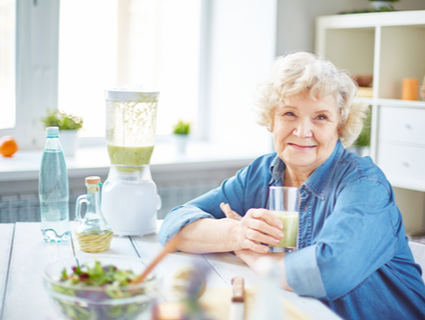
column 52, row 132
column 93, row 180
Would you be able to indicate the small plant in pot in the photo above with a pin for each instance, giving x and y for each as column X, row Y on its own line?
column 362, row 144
column 68, row 125
column 181, row 131
column 181, row 127
column 380, row 5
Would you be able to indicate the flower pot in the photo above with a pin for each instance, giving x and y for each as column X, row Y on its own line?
column 180, row 142
column 69, row 142
column 382, row 5
column 362, row 151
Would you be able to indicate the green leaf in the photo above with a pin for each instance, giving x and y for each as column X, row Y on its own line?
column 363, row 139
column 78, row 270
column 181, row 127
column 64, row 275
column 56, row 118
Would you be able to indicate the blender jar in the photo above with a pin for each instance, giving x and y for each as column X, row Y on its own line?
column 130, row 126
column 129, row 196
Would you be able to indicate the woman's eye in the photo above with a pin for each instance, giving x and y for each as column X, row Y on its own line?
column 321, row 117
column 291, row 114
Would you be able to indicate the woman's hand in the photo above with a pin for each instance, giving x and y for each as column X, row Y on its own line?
column 229, row 212
column 257, row 229
column 250, row 257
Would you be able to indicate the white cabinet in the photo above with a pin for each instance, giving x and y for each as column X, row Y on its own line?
column 402, row 124
column 391, row 46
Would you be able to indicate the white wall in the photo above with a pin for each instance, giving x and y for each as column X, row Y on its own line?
column 242, row 51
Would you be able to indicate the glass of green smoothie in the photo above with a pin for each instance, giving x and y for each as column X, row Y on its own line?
column 284, row 202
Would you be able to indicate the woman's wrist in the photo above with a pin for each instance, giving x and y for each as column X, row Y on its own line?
column 234, row 241
column 209, row 235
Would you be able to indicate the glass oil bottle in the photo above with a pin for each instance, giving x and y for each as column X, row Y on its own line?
column 93, row 233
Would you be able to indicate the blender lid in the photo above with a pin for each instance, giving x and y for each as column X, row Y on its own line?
column 130, row 94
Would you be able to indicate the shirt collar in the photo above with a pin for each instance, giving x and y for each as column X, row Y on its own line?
column 318, row 180
column 277, row 168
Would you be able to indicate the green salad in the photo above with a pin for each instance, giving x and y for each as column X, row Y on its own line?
column 97, row 276
column 100, row 292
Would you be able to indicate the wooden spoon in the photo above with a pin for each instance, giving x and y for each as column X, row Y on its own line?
column 169, row 247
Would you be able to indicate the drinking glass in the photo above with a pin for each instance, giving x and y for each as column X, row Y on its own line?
column 284, row 202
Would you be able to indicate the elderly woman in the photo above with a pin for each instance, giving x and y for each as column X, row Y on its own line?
column 353, row 253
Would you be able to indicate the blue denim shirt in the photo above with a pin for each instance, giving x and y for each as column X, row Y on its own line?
column 353, row 252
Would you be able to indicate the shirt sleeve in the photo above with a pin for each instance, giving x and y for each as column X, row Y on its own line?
column 357, row 238
column 304, row 280
column 231, row 191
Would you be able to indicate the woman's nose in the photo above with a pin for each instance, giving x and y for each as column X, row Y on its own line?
column 303, row 129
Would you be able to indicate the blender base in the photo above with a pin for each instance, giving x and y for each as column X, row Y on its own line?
column 124, row 233
column 130, row 208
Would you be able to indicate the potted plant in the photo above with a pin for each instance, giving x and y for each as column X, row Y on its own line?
column 68, row 127
column 380, row 5
column 181, row 131
column 362, row 144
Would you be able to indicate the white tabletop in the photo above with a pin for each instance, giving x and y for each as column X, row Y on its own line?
column 24, row 254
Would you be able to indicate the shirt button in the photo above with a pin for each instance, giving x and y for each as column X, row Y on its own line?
column 306, row 207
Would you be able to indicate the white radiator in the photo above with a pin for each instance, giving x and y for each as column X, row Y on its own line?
column 26, row 207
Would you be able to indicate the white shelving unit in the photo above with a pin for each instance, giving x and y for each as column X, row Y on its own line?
column 391, row 46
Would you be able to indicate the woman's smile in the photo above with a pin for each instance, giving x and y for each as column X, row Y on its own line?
column 302, row 147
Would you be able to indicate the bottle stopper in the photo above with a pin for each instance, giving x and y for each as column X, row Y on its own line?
column 93, row 183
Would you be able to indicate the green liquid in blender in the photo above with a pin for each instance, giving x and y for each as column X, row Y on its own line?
column 130, row 156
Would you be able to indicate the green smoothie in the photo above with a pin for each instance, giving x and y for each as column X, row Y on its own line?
column 130, row 156
column 290, row 228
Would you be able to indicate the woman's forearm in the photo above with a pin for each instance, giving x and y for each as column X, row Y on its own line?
column 208, row 235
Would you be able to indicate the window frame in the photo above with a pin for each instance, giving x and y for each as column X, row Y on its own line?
column 36, row 69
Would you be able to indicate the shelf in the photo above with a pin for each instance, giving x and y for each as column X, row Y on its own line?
column 370, row 20
column 390, row 46
column 344, row 44
column 365, row 92
column 402, row 55
column 406, row 184
column 400, row 103
column 392, row 102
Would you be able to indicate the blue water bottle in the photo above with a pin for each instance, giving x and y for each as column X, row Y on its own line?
column 53, row 189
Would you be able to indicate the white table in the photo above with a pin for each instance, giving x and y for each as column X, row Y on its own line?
column 24, row 254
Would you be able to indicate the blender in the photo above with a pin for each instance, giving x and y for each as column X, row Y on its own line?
column 129, row 195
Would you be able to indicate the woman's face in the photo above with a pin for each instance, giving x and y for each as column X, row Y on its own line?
column 305, row 131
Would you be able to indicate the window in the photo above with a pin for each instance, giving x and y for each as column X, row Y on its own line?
column 7, row 64
column 152, row 43
column 205, row 58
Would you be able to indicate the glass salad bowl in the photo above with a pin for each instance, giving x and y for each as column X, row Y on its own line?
column 98, row 288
